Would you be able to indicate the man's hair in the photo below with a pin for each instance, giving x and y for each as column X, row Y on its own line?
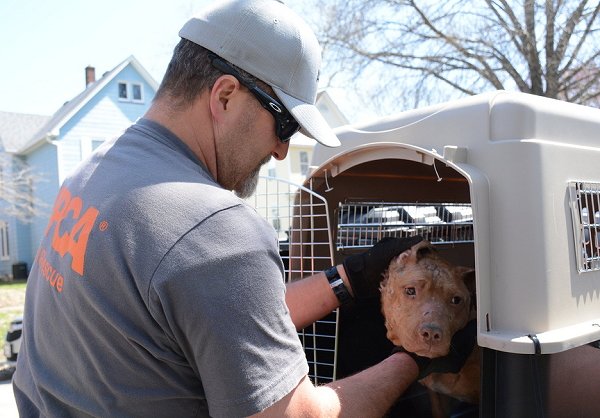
column 190, row 73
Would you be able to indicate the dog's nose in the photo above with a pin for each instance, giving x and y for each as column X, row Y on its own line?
column 430, row 333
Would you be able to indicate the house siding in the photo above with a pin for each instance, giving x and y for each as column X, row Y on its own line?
column 102, row 118
column 19, row 232
column 64, row 140
column 20, row 239
column 44, row 161
column 10, row 221
column 18, row 242
column 5, row 264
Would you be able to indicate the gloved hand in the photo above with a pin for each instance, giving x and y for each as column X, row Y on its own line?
column 461, row 346
column 364, row 270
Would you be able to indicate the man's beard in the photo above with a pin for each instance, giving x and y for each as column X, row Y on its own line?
column 246, row 187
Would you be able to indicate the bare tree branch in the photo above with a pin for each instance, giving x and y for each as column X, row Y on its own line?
column 16, row 189
column 465, row 47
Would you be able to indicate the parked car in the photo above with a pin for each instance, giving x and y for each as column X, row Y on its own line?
column 12, row 342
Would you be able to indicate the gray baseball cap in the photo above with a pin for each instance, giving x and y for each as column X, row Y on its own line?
column 271, row 42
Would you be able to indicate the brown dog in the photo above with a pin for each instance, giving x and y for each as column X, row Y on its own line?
column 425, row 300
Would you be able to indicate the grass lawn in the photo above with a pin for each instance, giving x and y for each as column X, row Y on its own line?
column 12, row 299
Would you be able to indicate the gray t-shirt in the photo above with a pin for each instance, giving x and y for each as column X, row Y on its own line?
column 155, row 293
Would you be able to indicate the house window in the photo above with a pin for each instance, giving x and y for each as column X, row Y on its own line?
column 272, row 168
column 123, row 91
column 136, row 92
column 96, row 143
column 4, row 249
column 275, row 219
column 88, row 145
column 133, row 92
column 303, row 163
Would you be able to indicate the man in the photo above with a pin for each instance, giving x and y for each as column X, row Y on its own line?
column 156, row 291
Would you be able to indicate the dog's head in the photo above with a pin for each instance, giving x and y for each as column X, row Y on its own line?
column 425, row 300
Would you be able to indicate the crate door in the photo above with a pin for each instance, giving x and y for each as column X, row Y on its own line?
column 301, row 219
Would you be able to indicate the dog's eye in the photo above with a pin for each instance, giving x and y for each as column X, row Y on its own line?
column 410, row 291
column 456, row 300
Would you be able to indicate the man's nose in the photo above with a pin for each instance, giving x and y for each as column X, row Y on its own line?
column 280, row 151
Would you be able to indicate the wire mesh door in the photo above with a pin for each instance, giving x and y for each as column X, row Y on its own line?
column 301, row 219
column 362, row 224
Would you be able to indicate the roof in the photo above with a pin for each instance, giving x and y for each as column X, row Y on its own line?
column 70, row 108
column 330, row 110
column 17, row 128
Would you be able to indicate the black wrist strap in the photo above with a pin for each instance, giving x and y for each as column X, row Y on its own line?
column 337, row 285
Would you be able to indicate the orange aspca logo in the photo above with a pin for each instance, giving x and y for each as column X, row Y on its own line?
column 73, row 242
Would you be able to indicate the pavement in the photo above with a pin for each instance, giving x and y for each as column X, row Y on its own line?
column 8, row 408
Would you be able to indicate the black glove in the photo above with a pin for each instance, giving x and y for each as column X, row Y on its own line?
column 461, row 347
column 365, row 270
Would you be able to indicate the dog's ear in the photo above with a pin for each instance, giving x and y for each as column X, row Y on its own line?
column 412, row 255
column 468, row 276
column 423, row 249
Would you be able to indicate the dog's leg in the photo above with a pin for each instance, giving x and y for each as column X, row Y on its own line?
column 438, row 406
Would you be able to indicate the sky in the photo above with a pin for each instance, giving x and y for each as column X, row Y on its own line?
column 46, row 45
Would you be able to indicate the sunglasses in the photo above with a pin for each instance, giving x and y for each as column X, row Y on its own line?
column 285, row 124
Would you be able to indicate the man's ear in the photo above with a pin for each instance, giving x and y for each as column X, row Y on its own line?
column 222, row 93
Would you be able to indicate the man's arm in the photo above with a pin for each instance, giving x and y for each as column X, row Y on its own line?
column 311, row 298
column 370, row 393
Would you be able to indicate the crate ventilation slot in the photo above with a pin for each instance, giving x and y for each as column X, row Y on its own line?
column 361, row 224
column 585, row 211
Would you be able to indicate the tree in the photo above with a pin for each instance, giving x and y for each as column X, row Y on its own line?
column 429, row 51
column 16, row 189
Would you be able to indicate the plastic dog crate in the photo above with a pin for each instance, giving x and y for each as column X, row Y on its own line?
column 507, row 183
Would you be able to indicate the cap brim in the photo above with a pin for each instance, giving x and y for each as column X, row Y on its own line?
column 312, row 123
